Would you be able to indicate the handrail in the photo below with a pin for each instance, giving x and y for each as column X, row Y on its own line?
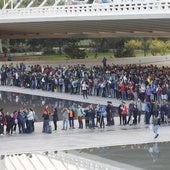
column 159, row 6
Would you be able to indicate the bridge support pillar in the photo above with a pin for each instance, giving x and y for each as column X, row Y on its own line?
column 1, row 51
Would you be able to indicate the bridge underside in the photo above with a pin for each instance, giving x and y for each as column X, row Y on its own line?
column 89, row 28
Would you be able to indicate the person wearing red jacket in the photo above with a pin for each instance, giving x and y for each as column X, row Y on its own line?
column 124, row 113
column 46, row 110
column 123, row 91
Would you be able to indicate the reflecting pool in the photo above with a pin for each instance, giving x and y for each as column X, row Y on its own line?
column 151, row 156
column 11, row 101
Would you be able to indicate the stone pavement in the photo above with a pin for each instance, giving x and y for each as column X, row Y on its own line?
column 64, row 96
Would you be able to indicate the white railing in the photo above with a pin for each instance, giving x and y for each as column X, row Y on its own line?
column 122, row 7
column 52, row 161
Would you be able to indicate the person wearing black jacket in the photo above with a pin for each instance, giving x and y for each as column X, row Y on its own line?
column 55, row 118
column 119, row 112
column 109, row 113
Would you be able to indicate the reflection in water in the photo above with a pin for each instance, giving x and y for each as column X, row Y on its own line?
column 11, row 101
column 145, row 156
column 154, row 152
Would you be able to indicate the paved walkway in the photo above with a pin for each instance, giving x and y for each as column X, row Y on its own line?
column 158, row 60
column 64, row 96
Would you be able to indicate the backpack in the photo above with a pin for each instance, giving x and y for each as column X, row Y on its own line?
column 103, row 110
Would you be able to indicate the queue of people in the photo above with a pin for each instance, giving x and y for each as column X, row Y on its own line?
column 147, row 88
column 124, row 82
column 89, row 117
column 23, row 120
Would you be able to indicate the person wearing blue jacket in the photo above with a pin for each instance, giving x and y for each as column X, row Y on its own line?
column 156, row 124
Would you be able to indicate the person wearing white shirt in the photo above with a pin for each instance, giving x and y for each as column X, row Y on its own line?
column 84, row 87
column 30, row 120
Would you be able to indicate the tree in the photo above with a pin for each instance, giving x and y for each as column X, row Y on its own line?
column 145, row 46
column 100, row 44
column 157, row 47
column 1, row 4
column 131, row 46
column 72, row 51
column 17, row 45
column 119, row 48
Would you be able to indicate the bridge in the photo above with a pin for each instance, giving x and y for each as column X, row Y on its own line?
column 66, row 19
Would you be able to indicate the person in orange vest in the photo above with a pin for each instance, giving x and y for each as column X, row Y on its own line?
column 124, row 113
column 71, row 118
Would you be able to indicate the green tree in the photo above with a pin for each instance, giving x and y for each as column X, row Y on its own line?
column 73, row 51
column 100, row 44
column 119, row 48
column 131, row 46
column 157, row 47
column 1, row 4
column 145, row 46
column 17, row 45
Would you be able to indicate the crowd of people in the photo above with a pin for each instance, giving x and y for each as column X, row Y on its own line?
column 21, row 121
column 137, row 83
column 124, row 82
column 89, row 117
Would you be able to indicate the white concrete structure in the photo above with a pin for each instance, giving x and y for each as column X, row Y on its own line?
column 117, row 18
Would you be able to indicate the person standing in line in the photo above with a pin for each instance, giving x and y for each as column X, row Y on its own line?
column 84, row 89
column 102, row 113
column 109, row 113
column 147, row 113
column 124, row 113
column 80, row 116
column 30, row 120
column 46, row 121
column 139, row 107
column 135, row 115
column 10, row 121
column 131, row 111
column 65, row 113
column 47, row 110
column 21, row 121
column 120, row 113
column 55, row 118
column 15, row 114
column 91, row 116
column 71, row 118
column 34, row 120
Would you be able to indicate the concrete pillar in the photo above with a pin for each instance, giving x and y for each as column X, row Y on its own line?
column 1, row 51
